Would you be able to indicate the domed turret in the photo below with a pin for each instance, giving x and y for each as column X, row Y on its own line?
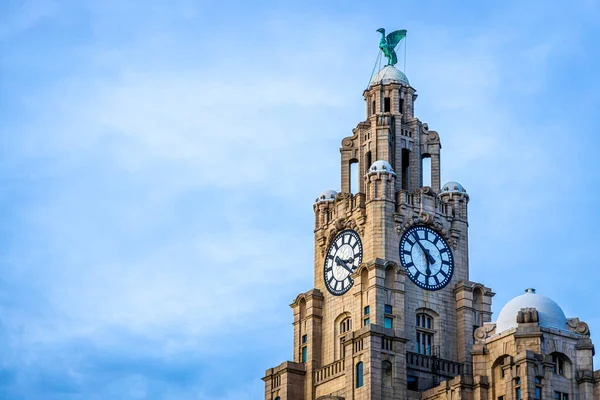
column 381, row 166
column 453, row 187
column 549, row 313
column 328, row 195
column 389, row 74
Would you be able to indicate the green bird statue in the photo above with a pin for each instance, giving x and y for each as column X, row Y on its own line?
column 388, row 43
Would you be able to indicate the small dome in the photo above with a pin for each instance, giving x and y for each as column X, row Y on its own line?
column 550, row 314
column 453, row 187
column 381, row 166
column 328, row 195
column 389, row 74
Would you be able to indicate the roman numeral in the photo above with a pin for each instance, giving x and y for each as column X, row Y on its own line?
column 437, row 239
column 410, row 242
column 417, row 275
column 444, row 262
column 426, row 235
column 443, row 273
column 444, row 250
column 437, row 281
column 410, row 264
column 408, row 253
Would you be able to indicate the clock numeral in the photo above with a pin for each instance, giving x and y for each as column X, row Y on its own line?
column 437, row 239
column 417, row 275
column 410, row 242
column 444, row 250
column 408, row 253
column 443, row 273
column 410, row 264
column 437, row 281
column 426, row 235
column 444, row 262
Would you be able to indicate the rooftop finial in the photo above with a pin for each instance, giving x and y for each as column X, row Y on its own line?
column 530, row 290
column 388, row 43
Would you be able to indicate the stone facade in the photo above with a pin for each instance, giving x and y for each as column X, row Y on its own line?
column 363, row 344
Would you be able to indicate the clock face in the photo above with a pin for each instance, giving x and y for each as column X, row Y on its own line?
column 426, row 257
column 342, row 259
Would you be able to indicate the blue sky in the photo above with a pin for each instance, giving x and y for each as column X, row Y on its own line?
column 159, row 161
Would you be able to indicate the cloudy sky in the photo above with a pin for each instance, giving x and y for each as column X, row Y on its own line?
column 159, row 161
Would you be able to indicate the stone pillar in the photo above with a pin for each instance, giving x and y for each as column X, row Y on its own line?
column 464, row 323
column 435, row 172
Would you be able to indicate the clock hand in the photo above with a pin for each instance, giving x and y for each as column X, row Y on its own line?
column 429, row 257
column 342, row 263
column 427, row 270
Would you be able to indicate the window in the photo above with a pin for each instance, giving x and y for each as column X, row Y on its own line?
column 517, row 381
column 500, row 397
column 304, row 354
column 304, row 338
column 538, row 387
column 388, row 309
column 561, row 396
column 518, row 393
column 388, row 322
column 367, row 310
column 359, row 375
column 401, row 110
column 366, row 321
column 345, row 325
column 559, row 365
column 412, row 383
column 386, row 104
column 373, row 109
column 405, row 168
column 277, row 398
column 424, row 334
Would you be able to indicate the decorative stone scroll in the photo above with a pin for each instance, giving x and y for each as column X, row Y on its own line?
column 577, row 326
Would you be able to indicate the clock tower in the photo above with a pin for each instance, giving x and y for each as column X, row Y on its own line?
column 392, row 311
column 393, row 314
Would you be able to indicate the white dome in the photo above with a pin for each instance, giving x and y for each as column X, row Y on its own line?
column 550, row 314
column 389, row 74
column 453, row 187
column 381, row 166
column 328, row 195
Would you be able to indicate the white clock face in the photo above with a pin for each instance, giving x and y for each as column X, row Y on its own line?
column 342, row 259
column 426, row 257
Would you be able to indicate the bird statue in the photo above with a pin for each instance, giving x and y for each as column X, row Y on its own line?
column 388, row 43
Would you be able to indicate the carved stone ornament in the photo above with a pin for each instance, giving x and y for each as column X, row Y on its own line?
column 483, row 332
column 427, row 190
column 577, row 326
column 347, row 142
column 330, row 397
column 527, row 315
column 480, row 333
column 402, row 223
column 433, row 137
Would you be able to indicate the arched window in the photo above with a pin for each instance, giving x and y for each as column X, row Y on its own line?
column 302, row 309
column 424, row 324
column 342, row 325
column 359, row 374
column 386, row 373
column 562, row 365
column 346, row 325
